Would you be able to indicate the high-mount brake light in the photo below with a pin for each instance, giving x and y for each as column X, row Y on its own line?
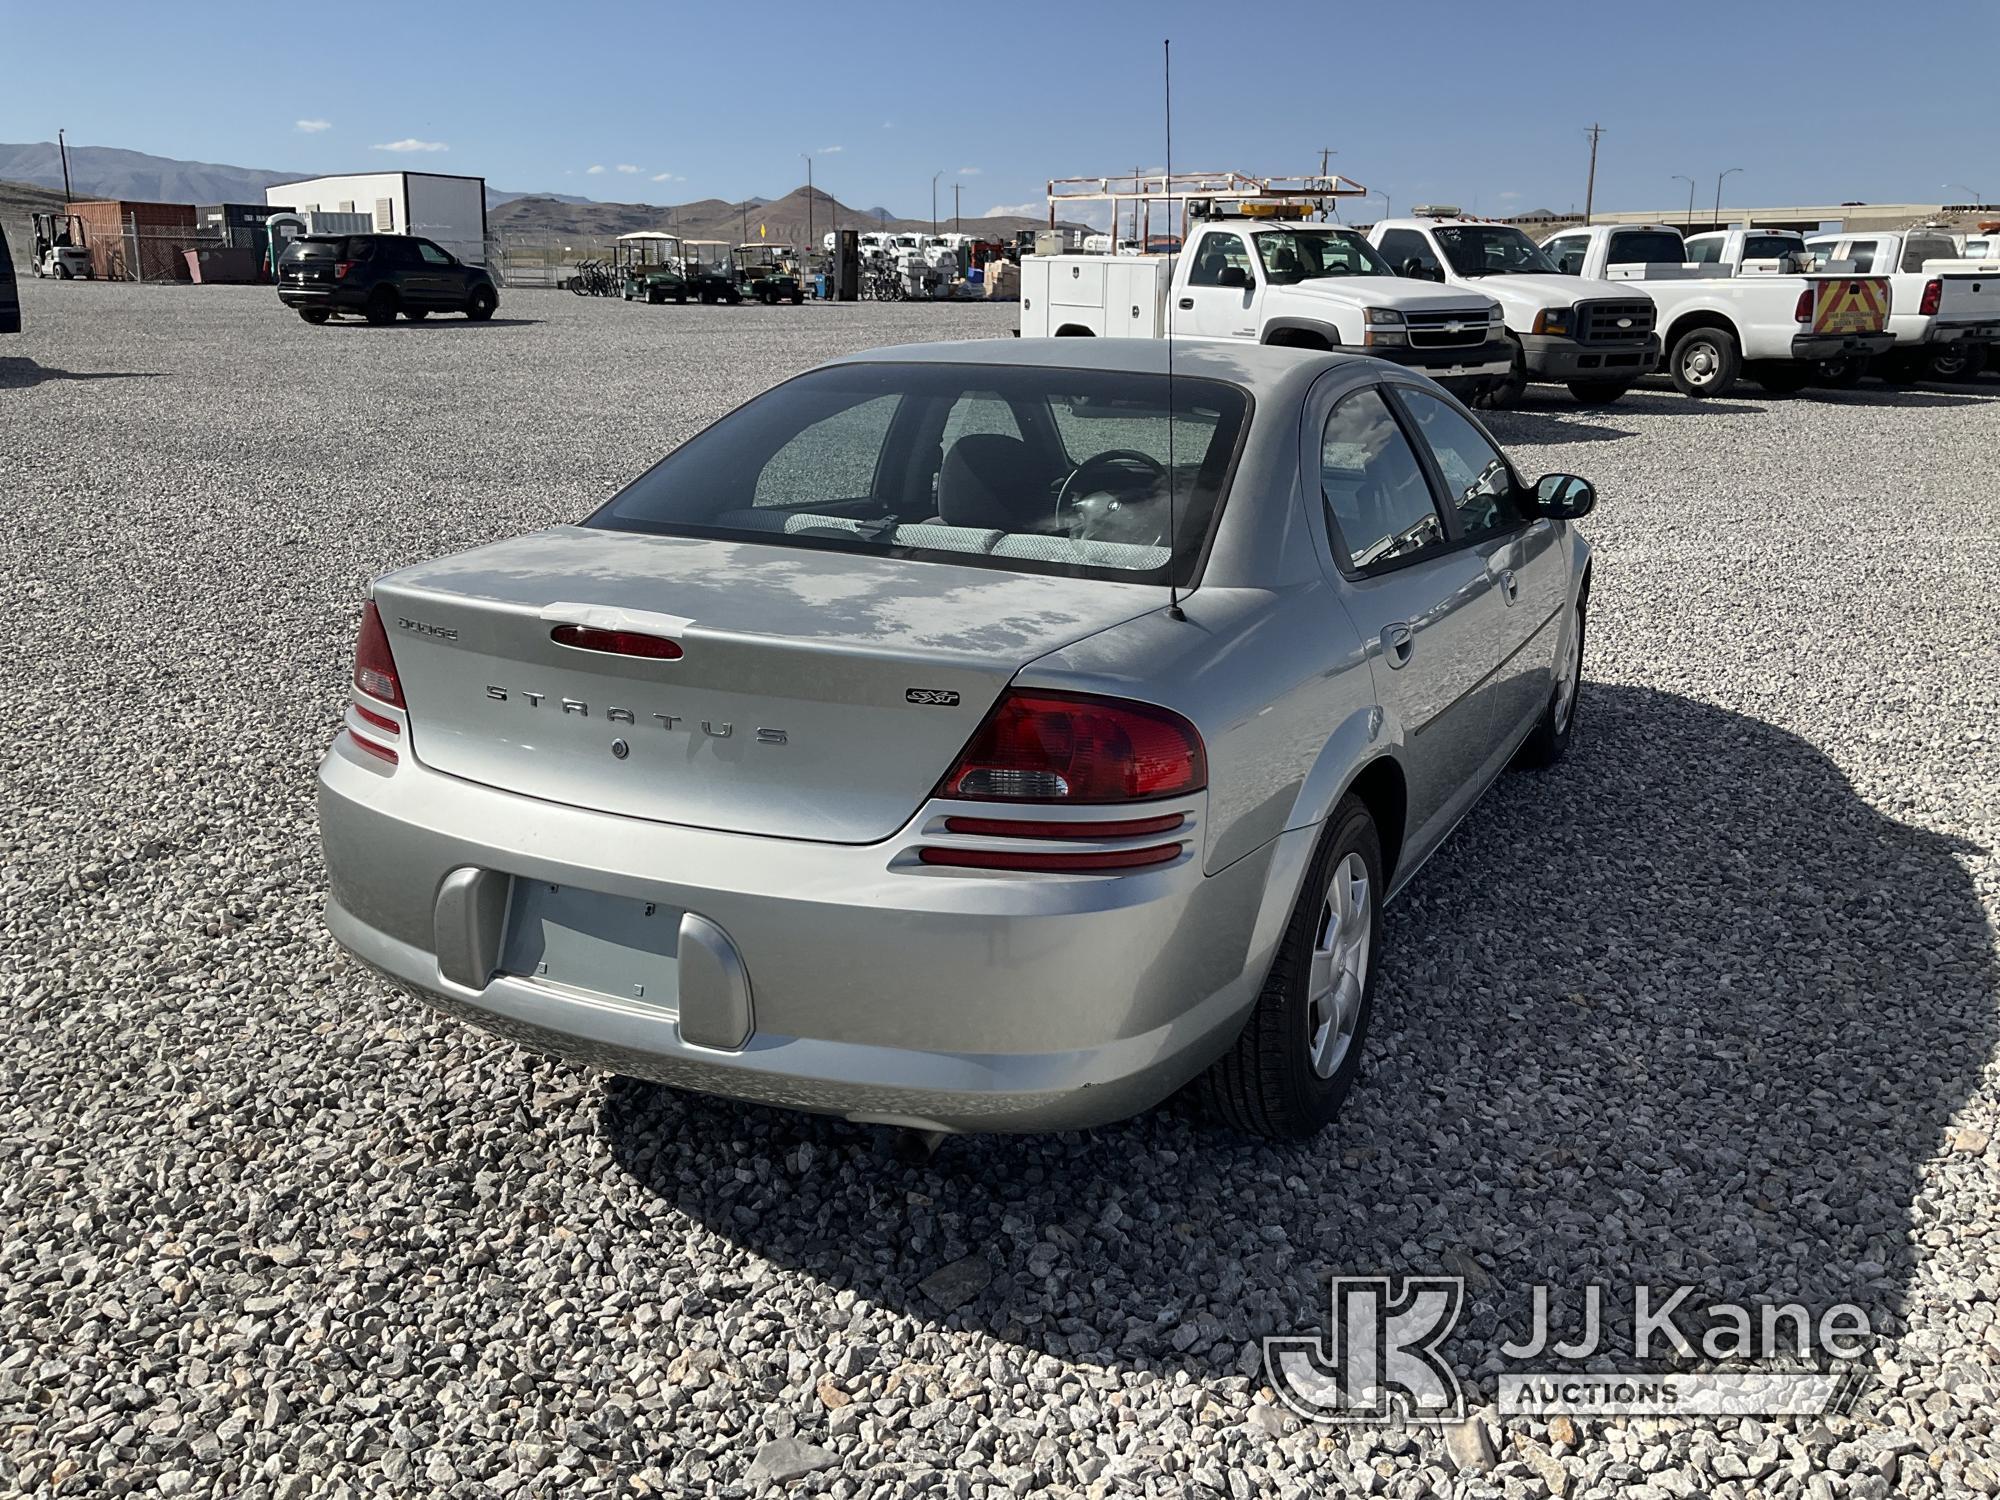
column 616, row 642
column 374, row 666
column 1077, row 748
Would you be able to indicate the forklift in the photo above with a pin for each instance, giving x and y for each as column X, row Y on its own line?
column 59, row 247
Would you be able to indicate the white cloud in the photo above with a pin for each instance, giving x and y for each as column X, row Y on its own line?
column 888, row 124
column 1508, row 197
column 628, row 169
column 968, row 171
column 593, row 171
column 831, row 150
column 1034, row 208
column 668, row 177
column 313, row 127
column 411, row 143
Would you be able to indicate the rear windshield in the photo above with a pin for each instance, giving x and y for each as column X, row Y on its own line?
column 333, row 248
column 1771, row 246
column 1014, row 467
column 1645, row 247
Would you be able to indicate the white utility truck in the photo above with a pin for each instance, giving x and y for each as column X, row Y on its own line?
column 1257, row 273
column 1784, row 332
column 1750, row 252
column 1946, row 309
column 1596, row 337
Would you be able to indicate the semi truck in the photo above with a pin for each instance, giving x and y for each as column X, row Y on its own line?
column 1267, row 277
column 1596, row 337
column 1945, row 311
column 1784, row 332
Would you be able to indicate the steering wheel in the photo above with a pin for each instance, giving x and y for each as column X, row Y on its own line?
column 1124, row 469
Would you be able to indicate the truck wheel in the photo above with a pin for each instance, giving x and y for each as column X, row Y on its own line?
column 480, row 307
column 1598, row 392
column 315, row 314
column 381, row 308
column 1509, row 388
column 416, row 314
column 1782, row 379
column 1705, row 362
column 1297, row 1056
column 1959, row 361
column 1840, row 374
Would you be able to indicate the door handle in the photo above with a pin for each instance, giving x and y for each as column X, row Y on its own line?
column 1187, row 304
column 1509, row 585
column 1399, row 644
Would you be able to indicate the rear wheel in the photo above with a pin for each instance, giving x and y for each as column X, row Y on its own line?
column 416, row 314
column 1705, row 362
column 1549, row 740
column 1959, row 361
column 1298, row 1055
column 1900, row 367
column 1840, row 374
column 1782, row 379
column 479, row 307
column 1598, row 392
column 381, row 307
column 315, row 314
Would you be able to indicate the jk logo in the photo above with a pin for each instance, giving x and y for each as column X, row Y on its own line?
column 1380, row 1354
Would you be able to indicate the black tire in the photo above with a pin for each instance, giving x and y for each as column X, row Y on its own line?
column 1901, row 367
column 655, row 296
column 315, row 314
column 798, row 299
column 1840, row 374
column 382, row 306
column 479, row 306
column 1960, row 361
column 1782, row 379
column 1705, row 362
column 1598, row 392
column 1498, row 395
column 1268, row 1083
column 416, row 314
column 1549, row 741
column 63, row 272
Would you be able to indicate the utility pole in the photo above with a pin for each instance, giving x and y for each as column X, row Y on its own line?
column 1326, row 154
column 809, row 204
column 1690, row 182
column 934, row 177
column 957, row 217
column 62, row 147
column 1590, row 183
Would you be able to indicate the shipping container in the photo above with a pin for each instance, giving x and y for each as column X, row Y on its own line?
column 448, row 210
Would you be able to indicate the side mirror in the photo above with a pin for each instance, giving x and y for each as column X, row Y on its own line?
column 1234, row 276
column 1564, row 497
column 1411, row 267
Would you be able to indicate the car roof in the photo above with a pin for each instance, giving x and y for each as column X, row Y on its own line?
column 1264, row 371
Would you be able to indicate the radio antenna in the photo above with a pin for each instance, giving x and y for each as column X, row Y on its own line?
column 1174, row 611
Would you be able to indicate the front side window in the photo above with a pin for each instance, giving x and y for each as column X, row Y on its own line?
column 1084, row 473
column 1705, row 249
column 1567, row 250
column 1294, row 255
column 1641, row 247
column 1216, row 254
column 1400, row 247
column 1479, row 485
column 1377, row 500
column 1491, row 250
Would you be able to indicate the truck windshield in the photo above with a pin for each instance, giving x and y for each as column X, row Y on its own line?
column 1492, row 250
column 1294, row 255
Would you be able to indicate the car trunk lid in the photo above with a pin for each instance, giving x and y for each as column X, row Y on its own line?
column 819, row 694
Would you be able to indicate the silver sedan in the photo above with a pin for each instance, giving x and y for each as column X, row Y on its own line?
column 982, row 736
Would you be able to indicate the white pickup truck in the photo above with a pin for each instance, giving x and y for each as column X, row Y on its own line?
column 1596, row 337
column 1715, row 325
column 1946, row 312
column 1269, row 281
column 1750, row 252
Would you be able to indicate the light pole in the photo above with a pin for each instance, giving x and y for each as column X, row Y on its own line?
column 1690, row 182
column 1718, row 195
column 934, row 177
column 1972, row 191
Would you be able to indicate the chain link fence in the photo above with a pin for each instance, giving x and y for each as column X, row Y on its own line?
column 542, row 257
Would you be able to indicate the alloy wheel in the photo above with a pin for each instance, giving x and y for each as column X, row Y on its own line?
column 1337, row 977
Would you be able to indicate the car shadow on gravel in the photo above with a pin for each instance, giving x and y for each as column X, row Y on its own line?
column 436, row 322
column 1686, row 1010
column 19, row 374
column 1896, row 396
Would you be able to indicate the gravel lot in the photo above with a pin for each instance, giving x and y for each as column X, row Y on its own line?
column 1712, row 1004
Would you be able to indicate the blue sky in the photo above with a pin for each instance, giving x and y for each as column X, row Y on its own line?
column 1482, row 105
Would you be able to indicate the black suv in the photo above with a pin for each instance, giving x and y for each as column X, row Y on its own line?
column 378, row 276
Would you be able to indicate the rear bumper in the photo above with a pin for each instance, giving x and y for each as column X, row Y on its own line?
column 1813, row 346
column 327, row 297
column 1559, row 359
column 1978, row 331
column 1495, row 358
column 876, row 991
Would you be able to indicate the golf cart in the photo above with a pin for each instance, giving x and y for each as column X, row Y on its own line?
column 769, row 273
column 59, row 247
column 648, row 265
column 710, row 273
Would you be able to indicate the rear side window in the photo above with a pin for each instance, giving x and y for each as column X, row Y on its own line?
column 1478, row 483
column 1378, row 504
column 1030, row 469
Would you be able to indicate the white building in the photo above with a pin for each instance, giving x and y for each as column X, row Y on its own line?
column 447, row 209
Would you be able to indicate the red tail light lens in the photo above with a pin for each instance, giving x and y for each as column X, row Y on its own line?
column 1804, row 311
column 1069, row 747
column 342, row 267
column 374, row 667
column 1933, row 295
column 1042, row 863
column 616, row 642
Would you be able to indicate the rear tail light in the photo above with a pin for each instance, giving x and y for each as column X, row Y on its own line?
column 1933, row 295
column 374, row 667
column 342, row 267
column 1804, row 311
column 1072, row 748
column 616, row 642
column 1045, row 862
